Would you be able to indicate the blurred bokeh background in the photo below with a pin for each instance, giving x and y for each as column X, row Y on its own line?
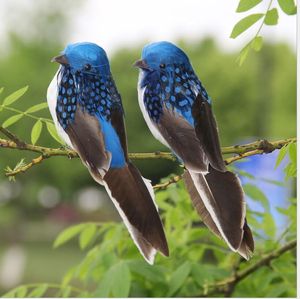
column 257, row 100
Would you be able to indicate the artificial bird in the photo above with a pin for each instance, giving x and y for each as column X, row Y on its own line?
column 178, row 112
column 88, row 113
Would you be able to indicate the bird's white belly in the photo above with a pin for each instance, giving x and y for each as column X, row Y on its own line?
column 52, row 94
column 149, row 122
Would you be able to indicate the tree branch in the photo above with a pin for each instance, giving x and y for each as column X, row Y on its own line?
column 172, row 180
column 228, row 284
column 242, row 151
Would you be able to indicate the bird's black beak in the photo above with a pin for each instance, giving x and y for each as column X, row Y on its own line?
column 62, row 59
column 141, row 64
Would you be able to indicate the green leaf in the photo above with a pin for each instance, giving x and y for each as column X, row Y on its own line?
column 66, row 292
column 1, row 89
column 52, row 131
column 116, row 281
column 86, row 235
column 288, row 6
column 178, row 278
column 271, row 17
column 37, row 107
column 293, row 152
column 21, row 292
column 68, row 234
column 269, row 226
column 244, row 24
column 281, row 155
column 245, row 5
column 290, row 170
column 121, row 285
column 277, row 291
column 148, row 272
column 256, row 194
column 243, row 54
column 36, row 131
column 38, row 292
column 14, row 96
column 10, row 294
column 204, row 273
column 13, row 119
column 257, row 43
column 105, row 285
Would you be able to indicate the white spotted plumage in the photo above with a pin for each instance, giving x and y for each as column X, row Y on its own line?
column 152, row 128
column 52, row 94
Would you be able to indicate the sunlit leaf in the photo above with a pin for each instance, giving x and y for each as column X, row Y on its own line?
column 13, row 119
column 243, row 54
column 245, row 5
column 269, row 226
column 293, row 152
column 87, row 235
column 290, row 170
column 37, row 107
column 244, row 24
column 36, row 131
column 14, row 96
column 21, row 292
column 281, row 155
column 271, row 17
column 288, row 6
column 52, row 131
column 257, row 43
column 68, row 234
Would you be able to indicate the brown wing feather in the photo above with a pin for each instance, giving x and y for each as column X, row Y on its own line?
column 182, row 139
column 87, row 138
column 129, row 190
column 207, row 132
column 229, row 192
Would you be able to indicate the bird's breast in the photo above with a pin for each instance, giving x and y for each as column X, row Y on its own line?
column 52, row 95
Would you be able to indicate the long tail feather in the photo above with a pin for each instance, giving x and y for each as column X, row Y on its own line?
column 133, row 197
column 219, row 200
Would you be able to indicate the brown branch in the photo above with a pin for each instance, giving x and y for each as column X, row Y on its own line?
column 228, row 284
column 23, row 168
column 11, row 136
column 172, row 180
column 254, row 148
column 243, row 151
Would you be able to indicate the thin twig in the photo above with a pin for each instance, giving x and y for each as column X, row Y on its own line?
column 172, row 180
column 246, row 150
column 229, row 283
column 243, row 151
column 11, row 136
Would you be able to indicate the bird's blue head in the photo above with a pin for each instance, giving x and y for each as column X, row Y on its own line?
column 160, row 56
column 84, row 57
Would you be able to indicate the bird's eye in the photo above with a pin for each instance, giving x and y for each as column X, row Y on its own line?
column 87, row 67
column 162, row 65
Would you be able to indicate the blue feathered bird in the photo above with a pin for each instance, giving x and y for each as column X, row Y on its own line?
column 87, row 111
column 178, row 112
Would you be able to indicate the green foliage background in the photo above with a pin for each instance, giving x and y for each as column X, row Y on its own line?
column 257, row 100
